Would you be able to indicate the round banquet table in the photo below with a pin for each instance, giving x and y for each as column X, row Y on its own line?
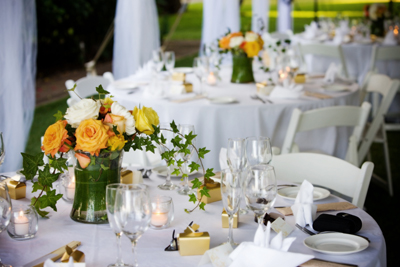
column 215, row 123
column 98, row 241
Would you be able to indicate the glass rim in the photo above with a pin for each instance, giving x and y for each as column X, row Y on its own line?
column 110, row 186
column 258, row 138
column 236, row 139
column 167, row 199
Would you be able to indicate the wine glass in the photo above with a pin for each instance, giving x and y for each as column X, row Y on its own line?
column 5, row 207
column 168, row 134
column 169, row 61
column 111, row 192
column 132, row 212
column 260, row 190
column 186, row 129
column 2, row 149
column 258, row 150
column 231, row 192
column 158, row 60
column 200, row 68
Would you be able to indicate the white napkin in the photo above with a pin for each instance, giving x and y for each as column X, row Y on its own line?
column 223, row 160
column 262, row 252
column 177, row 88
column 311, row 31
column 140, row 78
column 303, row 209
column 390, row 39
column 50, row 263
column 332, row 75
column 292, row 91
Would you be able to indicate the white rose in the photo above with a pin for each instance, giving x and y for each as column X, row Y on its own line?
column 117, row 109
column 236, row 41
column 83, row 110
column 251, row 37
column 373, row 9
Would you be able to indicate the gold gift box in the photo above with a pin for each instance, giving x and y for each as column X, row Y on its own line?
column 16, row 189
column 214, row 191
column 126, row 177
column 188, row 87
column 225, row 219
column 191, row 242
column 178, row 76
column 300, row 78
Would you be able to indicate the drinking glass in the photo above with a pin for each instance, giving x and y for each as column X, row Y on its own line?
column 132, row 212
column 258, row 150
column 2, row 150
column 200, row 68
column 260, row 190
column 166, row 132
column 169, row 61
column 5, row 213
column 231, row 192
column 186, row 129
column 158, row 60
column 111, row 192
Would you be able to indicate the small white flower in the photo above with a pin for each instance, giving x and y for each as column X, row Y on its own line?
column 117, row 109
column 373, row 9
column 83, row 110
column 236, row 41
column 251, row 37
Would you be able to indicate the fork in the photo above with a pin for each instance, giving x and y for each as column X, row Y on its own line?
column 256, row 97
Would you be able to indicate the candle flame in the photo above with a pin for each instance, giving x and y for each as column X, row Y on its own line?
column 396, row 31
column 21, row 213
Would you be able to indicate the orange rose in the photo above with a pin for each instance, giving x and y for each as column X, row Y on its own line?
column 55, row 138
column 252, row 48
column 91, row 136
column 224, row 42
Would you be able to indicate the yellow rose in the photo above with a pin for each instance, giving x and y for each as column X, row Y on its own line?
column 252, row 48
column 116, row 142
column 91, row 136
column 55, row 137
column 145, row 118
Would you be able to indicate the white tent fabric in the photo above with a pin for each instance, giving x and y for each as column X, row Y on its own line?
column 218, row 17
column 18, row 48
column 136, row 35
column 260, row 18
column 284, row 20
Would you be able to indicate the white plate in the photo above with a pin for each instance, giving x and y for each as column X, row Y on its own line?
column 336, row 243
column 124, row 85
column 162, row 171
column 184, row 70
column 336, row 87
column 223, row 100
column 291, row 192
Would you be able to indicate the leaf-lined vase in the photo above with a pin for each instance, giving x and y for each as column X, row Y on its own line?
column 90, row 186
column 242, row 68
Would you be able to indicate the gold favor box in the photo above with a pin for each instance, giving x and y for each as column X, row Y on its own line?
column 300, row 78
column 178, row 76
column 16, row 189
column 225, row 219
column 188, row 87
column 214, row 191
column 191, row 242
column 126, row 177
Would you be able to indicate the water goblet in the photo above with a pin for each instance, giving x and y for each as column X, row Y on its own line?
column 200, row 68
column 2, row 150
column 186, row 130
column 133, row 212
column 168, row 134
column 5, row 213
column 258, row 150
column 169, row 61
column 158, row 61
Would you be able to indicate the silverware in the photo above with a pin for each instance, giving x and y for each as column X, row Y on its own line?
column 256, row 97
column 305, row 230
column 144, row 173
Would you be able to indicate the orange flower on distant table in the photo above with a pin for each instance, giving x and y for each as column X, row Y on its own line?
column 91, row 136
column 55, row 138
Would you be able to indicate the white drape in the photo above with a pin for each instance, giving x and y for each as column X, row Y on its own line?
column 218, row 17
column 284, row 20
column 18, row 48
column 260, row 16
column 136, row 35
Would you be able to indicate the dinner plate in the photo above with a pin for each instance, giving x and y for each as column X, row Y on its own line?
column 162, row 171
column 336, row 243
column 291, row 192
column 185, row 70
column 223, row 100
column 335, row 87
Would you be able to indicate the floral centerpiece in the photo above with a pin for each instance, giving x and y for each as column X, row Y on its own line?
column 243, row 46
column 97, row 132
column 376, row 14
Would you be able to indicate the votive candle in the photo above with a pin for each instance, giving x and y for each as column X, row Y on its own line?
column 159, row 218
column 21, row 224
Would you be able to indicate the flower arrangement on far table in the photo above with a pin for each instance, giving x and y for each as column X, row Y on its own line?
column 376, row 14
column 97, row 132
column 243, row 46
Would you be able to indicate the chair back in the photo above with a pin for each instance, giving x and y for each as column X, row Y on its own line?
column 384, row 53
column 334, row 51
column 86, row 86
column 327, row 171
column 327, row 117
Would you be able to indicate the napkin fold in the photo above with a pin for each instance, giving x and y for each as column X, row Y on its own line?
column 223, row 160
column 333, row 75
column 263, row 252
column 303, row 209
column 50, row 263
column 292, row 91
column 337, row 206
column 342, row 33
column 390, row 39
column 311, row 31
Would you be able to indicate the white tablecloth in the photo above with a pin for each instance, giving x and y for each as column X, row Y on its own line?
column 214, row 124
column 98, row 241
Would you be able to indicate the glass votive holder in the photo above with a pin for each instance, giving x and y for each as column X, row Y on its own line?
column 24, row 222
column 67, row 186
column 162, row 212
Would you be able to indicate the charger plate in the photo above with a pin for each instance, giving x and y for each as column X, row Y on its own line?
column 336, row 243
column 291, row 193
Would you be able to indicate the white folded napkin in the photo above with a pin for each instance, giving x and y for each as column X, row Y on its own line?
column 292, row 91
column 333, row 75
column 223, row 160
column 177, row 88
column 390, row 39
column 303, row 208
column 50, row 263
column 263, row 252
column 311, row 31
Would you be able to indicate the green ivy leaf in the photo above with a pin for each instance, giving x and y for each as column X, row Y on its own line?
column 204, row 192
column 58, row 116
column 196, row 183
column 192, row 198
column 70, row 130
column 163, row 139
column 100, row 90
column 42, row 213
column 46, row 178
column 202, row 152
column 175, row 172
column 174, row 127
column 72, row 89
column 104, row 167
column 179, row 163
column 31, row 164
column 92, row 160
column 36, row 186
column 202, row 205
column 59, row 164
column 184, row 176
column 189, row 138
column 194, row 166
column 115, row 130
column 49, row 200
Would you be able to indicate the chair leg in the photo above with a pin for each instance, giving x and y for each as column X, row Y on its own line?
column 387, row 163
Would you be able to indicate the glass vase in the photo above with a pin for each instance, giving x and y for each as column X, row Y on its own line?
column 378, row 27
column 89, row 204
column 242, row 69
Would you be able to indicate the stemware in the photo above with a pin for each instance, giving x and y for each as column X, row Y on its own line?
column 186, row 129
column 200, row 68
column 158, row 60
column 2, row 150
column 5, row 213
column 133, row 212
column 169, row 61
column 111, row 192
column 231, row 192
column 258, row 150
column 166, row 132
column 260, row 190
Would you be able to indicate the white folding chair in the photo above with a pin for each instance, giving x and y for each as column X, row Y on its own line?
column 333, row 51
column 327, row 117
column 375, row 131
column 326, row 171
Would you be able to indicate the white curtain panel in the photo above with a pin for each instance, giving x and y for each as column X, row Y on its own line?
column 260, row 16
column 218, row 17
column 136, row 35
column 18, row 48
column 284, row 20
